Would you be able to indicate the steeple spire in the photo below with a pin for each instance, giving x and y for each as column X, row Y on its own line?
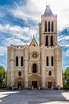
column 48, row 11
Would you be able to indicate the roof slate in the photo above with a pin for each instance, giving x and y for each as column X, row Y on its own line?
column 48, row 11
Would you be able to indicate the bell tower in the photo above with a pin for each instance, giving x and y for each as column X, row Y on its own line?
column 48, row 28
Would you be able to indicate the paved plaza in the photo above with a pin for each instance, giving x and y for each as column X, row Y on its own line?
column 34, row 97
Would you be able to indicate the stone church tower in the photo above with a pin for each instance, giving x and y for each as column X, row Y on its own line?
column 37, row 65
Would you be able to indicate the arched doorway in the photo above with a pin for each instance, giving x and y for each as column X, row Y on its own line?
column 34, row 84
column 50, row 81
column 19, row 83
column 49, row 84
column 34, row 80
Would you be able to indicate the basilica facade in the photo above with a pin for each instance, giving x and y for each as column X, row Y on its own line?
column 37, row 65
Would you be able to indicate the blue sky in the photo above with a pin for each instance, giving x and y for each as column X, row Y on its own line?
column 19, row 21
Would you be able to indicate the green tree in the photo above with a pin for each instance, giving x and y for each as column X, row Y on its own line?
column 66, row 78
column 2, row 74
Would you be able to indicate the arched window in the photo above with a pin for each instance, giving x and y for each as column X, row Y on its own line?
column 52, row 26
column 47, row 61
column 45, row 26
column 46, row 40
column 34, row 68
column 16, row 60
column 52, row 61
column 50, row 73
column 21, row 60
column 19, row 73
column 48, row 26
column 51, row 40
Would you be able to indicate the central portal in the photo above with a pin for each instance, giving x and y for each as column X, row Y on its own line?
column 49, row 84
column 34, row 84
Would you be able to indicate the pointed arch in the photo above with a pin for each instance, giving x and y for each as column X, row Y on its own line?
column 52, row 61
column 46, row 40
column 47, row 61
column 16, row 60
column 45, row 26
column 49, row 26
column 22, row 61
column 34, row 68
column 34, row 77
column 51, row 40
column 52, row 28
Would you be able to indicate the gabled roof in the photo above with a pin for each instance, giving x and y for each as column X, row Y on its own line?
column 48, row 11
column 33, row 43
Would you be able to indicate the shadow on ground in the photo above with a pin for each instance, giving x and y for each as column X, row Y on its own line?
column 33, row 97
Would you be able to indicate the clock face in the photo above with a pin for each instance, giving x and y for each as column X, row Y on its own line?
column 34, row 55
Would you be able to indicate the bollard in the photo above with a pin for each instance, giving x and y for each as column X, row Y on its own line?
column 39, row 87
column 52, row 87
column 19, row 87
column 58, row 87
column 32, row 87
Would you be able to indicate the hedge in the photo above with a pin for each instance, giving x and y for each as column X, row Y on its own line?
column 2, row 85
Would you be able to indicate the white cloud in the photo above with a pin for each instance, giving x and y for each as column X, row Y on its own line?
column 35, row 8
column 61, row 38
column 64, row 43
column 28, row 12
column 19, row 32
column 2, row 65
column 66, row 66
column 17, row 36
column 3, row 50
column 67, row 53
column 14, row 41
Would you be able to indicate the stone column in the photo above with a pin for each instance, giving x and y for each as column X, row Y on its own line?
column 19, row 61
column 8, row 67
column 42, row 67
column 42, row 39
column 38, row 67
column 12, row 66
column 49, row 42
column 58, row 66
column 55, row 39
column 49, row 57
column 26, row 67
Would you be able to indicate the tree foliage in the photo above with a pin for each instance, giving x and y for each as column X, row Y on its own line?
column 66, row 73
column 2, row 74
column 66, row 78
